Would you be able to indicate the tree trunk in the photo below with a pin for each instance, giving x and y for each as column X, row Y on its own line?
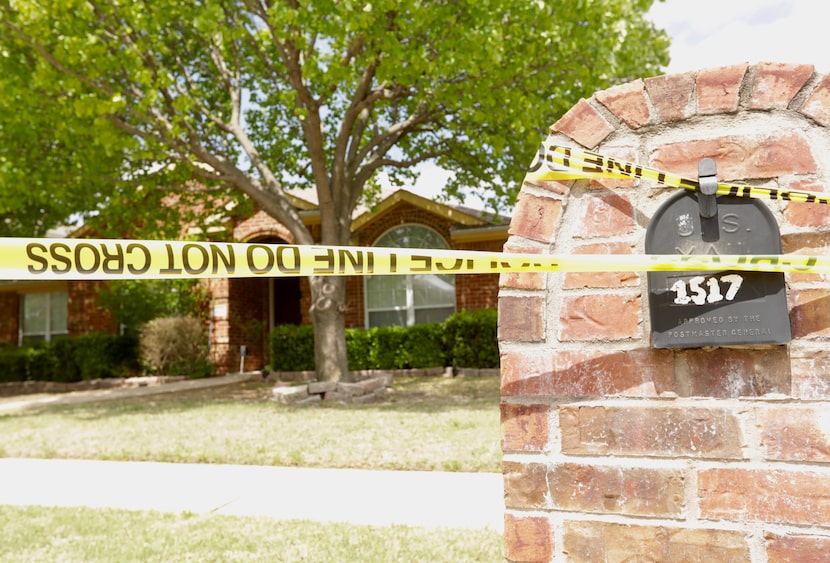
column 328, row 295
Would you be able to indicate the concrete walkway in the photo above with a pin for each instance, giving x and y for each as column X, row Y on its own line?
column 417, row 498
column 20, row 402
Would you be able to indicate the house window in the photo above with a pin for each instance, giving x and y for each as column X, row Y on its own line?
column 411, row 299
column 43, row 316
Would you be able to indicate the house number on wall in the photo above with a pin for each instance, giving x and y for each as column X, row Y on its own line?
column 701, row 290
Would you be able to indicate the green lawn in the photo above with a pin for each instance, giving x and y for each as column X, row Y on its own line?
column 427, row 424
column 35, row 534
column 435, row 423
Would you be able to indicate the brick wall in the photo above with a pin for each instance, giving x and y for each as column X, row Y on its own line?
column 477, row 291
column 354, row 316
column 9, row 317
column 84, row 315
column 261, row 226
column 615, row 451
column 223, row 354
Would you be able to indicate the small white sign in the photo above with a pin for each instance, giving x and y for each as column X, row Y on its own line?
column 220, row 310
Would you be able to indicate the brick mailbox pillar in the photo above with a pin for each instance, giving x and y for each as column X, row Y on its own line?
column 618, row 451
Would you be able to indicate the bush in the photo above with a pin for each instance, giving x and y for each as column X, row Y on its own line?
column 359, row 349
column 424, row 346
column 175, row 346
column 471, row 339
column 68, row 360
column 41, row 365
column 292, row 348
column 466, row 339
column 100, row 355
column 64, row 359
column 12, row 365
column 388, row 347
column 419, row 346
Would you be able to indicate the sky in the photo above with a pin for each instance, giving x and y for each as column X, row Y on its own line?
column 713, row 33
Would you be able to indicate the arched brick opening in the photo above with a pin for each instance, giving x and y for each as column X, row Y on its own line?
column 614, row 450
column 244, row 310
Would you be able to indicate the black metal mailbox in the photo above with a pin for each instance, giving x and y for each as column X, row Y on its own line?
column 710, row 308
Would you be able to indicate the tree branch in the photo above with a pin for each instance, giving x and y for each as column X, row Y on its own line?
column 52, row 61
column 383, row 142
column 373, row 166
column 273, row 71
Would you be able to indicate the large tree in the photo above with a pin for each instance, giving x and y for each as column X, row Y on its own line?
column 268, row 96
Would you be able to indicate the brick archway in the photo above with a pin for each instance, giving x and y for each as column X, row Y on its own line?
column 245, row 309
column 616, row 450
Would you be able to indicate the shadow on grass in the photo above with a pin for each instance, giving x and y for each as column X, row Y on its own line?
column 411, row 395
column 426, row 425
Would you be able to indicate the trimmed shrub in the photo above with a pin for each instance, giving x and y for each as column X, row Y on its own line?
column 12, row 364
column 359, row 347
column 388, row 347
column 68, row 360
column 471, row 339
column 466, row 339
column 175, row 346
column 41, row 365
column 424, row 346
column 65, row 359
column 100, row 355
column 292, row 348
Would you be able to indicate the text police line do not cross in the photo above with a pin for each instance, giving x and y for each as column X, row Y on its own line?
column 22, row 259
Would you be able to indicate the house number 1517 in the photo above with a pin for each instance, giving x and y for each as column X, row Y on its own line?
column 701, row 290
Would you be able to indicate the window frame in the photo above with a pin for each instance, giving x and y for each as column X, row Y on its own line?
column 409, row 307
column 50, row 332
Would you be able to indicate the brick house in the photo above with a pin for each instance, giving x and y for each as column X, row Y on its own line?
column 244, row 310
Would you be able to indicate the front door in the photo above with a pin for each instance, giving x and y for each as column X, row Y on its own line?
column 285, row 301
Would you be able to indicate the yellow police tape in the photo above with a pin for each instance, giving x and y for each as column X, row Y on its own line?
column 100, row 259
column 554, row 162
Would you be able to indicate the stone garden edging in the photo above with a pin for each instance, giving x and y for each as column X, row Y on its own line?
column 369, row 385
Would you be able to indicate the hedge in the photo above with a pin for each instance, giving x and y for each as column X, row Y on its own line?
column 292, row 348
column 68, row 360
column 466, row 339
column 471, row 339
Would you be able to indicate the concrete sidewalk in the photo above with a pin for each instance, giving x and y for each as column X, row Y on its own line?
column 418, row 498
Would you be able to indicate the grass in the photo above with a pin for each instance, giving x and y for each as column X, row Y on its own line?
column 427, row 424
column 91, row 535
column 448, row 424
